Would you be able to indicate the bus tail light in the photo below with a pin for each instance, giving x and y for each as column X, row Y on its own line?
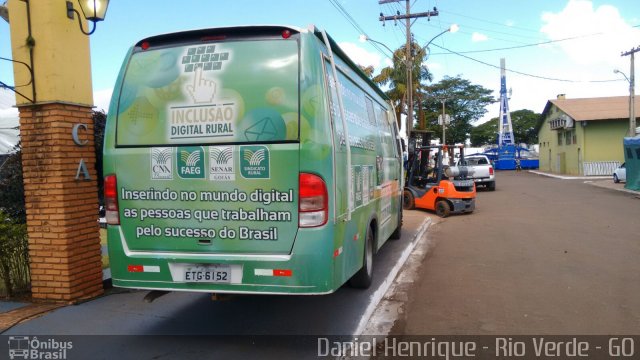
column 313, row 200
column 112, row 214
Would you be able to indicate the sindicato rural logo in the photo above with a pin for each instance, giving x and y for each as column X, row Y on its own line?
column 190, row 160
column 254, row 162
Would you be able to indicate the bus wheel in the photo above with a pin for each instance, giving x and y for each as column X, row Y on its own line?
column 362, row 279
column 442, row 208
column 408, row 201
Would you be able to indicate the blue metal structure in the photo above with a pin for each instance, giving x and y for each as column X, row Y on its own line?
column 505, row 155
column 505, row 136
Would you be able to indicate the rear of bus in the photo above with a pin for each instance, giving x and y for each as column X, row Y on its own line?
column 209, row 183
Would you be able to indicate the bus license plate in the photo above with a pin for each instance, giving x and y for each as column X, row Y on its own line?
column 208, row 274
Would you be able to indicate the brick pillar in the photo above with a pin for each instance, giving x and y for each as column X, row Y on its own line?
column 62, row 208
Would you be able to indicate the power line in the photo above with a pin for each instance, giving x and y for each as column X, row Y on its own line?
column 520, row 36
column 525, row 45
column 523, row 73
column 355, row 24
column 489, row 22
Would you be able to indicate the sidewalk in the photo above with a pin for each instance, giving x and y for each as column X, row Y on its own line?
column 14, row 313
column 599, row 181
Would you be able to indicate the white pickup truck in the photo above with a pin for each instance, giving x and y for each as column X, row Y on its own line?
column 482, row 171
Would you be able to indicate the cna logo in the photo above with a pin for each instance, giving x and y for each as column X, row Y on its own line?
column 254, row 162
column 221, row 163
column 190, row 162
column 161, row 164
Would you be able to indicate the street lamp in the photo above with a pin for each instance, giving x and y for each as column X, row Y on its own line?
column 632, row 110
column 93, row 10
column 452, row 29
column 365, row 38
column 408, row 62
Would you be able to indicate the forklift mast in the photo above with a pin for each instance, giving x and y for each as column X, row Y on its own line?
column 426, row 165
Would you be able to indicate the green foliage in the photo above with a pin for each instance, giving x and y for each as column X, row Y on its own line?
column 395, row 78
column 524, row 126
column 14, row 256
column 367, row 70
column 464, row 102
column 12, row 188
column 485, row 134
column 524, row 129
column 99, row 121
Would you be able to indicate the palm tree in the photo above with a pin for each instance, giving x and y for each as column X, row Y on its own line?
column 395, row 78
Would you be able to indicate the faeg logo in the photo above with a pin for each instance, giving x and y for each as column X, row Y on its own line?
column 254, row 162
column 221, row 163
column 190, row 162
column 161, row 164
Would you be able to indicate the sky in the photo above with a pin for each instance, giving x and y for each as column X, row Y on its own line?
column 552, row 46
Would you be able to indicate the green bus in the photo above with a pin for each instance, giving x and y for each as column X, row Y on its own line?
column 235, row 162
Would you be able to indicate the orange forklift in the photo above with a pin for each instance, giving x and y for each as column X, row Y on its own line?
column 432, row 185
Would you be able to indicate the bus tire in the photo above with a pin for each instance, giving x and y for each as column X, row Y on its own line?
column 363, row 278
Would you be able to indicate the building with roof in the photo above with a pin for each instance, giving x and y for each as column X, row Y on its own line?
column 583, row 136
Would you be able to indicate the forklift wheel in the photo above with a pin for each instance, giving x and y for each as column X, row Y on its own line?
column 442, row 208
column 408, row 201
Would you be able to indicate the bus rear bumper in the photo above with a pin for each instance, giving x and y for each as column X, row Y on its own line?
column 302, row 273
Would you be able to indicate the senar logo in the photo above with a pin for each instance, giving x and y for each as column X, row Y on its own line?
column 190, row 160
column 161, row 164
column 221, row 164
column 254, row 162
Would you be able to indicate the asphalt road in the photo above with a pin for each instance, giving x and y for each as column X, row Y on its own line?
column 538, row 256
column 182, row 323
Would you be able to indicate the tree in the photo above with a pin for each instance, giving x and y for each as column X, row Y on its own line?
column 464, row 102
column 12, row 187
column 99, row 122
column 524, row 126
column 395, row 78
column 524, row 129
column 367, row 70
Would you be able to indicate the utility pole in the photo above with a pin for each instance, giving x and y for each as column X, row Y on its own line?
column 632, row 92
column 443, row 120
column 408, row 57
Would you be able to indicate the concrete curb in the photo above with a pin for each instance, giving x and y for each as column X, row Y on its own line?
column 611, row 186
column 564, row 177
column 605, row 182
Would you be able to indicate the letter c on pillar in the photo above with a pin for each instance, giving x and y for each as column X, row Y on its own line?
column 76, row 138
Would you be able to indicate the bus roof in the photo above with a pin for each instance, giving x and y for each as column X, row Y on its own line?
column 263, row 30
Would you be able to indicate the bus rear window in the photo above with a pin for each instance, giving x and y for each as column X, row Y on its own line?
column 227, row 92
